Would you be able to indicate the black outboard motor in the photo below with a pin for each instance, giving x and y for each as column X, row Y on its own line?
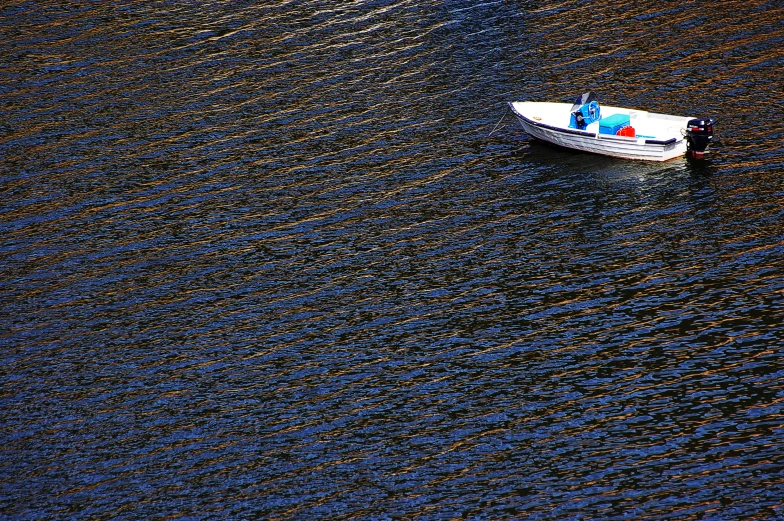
column 699, row 134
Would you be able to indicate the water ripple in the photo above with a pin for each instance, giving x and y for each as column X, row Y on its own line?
column 262, row 260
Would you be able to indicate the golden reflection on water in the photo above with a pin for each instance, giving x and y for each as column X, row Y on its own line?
column 264, row 259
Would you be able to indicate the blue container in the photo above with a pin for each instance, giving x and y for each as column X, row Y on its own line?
column 612, row 124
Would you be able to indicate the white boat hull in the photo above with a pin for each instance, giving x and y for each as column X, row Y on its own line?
column 659, row 136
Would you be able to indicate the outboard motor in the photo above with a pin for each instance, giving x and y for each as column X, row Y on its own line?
column 699, row 134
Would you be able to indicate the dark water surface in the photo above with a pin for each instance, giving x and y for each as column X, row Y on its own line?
column 265, row 261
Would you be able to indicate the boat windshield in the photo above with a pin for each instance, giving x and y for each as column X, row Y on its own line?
column 582, row 99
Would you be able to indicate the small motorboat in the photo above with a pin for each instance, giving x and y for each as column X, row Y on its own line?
column 614, row 131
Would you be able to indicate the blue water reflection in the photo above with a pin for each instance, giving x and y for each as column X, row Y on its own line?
column 271, row 261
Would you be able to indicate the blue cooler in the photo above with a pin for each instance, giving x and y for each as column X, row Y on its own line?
column 612, row 124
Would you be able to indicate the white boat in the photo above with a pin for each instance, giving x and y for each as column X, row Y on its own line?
column 614, row 131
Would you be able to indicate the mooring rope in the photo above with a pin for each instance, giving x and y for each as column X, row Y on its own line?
column 499, row 122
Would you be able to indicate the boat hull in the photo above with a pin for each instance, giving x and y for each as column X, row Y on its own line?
column 639, row 148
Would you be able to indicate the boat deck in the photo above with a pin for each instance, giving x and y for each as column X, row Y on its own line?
column 647, row 125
